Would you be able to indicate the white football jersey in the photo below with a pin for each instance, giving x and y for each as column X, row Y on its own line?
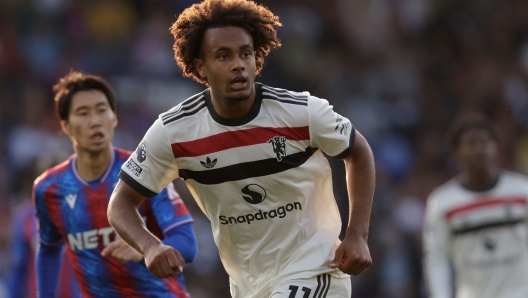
column 261, row 180
column 482, row 235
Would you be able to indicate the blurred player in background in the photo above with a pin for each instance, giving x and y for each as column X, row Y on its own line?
column 72, row 199
column 477, row 222
column 252, row 157
column 21, row 277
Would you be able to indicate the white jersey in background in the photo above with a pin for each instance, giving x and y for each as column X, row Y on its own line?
column 482, row 235
column 260, row 179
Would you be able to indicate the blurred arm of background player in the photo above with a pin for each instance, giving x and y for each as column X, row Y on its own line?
column 353, row 255
column 436, row 261
column 161, row 259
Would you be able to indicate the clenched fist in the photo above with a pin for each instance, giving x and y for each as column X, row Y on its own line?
column 163, row 260
column 352, row 256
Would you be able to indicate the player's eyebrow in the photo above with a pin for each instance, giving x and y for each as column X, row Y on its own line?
column 228, row 49
column 246, row 46
column 79, row 108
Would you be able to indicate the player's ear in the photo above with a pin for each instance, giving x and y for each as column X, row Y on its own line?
column 65, row 127
column 199, row 65
column 114, row 124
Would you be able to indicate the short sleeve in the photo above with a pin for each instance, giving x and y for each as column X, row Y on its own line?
column 48, row 232
column 169, row 209
column 329, row 131
column 152, row 166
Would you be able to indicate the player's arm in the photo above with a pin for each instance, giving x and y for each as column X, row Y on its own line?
column 162, row 260
column 175, row 221
column 17, row 276
column 437, row 267
column 353, row 255
column 335, row 135
column 50, row 249
column 145, row 174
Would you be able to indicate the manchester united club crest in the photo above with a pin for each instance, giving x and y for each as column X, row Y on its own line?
column 279, row 146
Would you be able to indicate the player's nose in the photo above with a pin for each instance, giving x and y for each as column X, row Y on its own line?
column 238, row 64
column 94, row 120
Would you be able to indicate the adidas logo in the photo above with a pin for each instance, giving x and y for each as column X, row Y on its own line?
column 208, row 163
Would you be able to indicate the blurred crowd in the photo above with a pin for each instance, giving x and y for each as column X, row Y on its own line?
column 401, row 70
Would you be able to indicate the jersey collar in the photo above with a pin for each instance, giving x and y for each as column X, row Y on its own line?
column 103, row 178
column 253, row 113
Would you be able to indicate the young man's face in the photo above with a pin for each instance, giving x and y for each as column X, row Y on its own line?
column 229, row 63
column 91, row 121
column 476, row 150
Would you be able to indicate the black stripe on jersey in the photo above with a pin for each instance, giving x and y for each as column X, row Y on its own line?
column 483, row 226
column 186, row 106
column 264, row 96
column 318, row 286
column 182, row 109
column 284, row 93
column 181, row 115
column 285, row 98
column 135, row 185
column 327, row 287
column 323, row 288
column 351, row 143
column 248, row 169
column 183, row 105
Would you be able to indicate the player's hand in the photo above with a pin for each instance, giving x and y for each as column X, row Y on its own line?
column 163, row 260
column 352, row 256
column 122, row 251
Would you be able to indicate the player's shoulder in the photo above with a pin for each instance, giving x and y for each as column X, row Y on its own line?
column 443, row 191
column 300, row 99
column 514, row 177
column 285, row 96
column 188, row 107
column 53, row 174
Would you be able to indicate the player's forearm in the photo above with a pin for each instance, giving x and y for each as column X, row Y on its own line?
column 360, row 182
column 123, row 215
column 48, row 264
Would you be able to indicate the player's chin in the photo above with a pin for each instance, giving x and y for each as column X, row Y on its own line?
column 238, row 96
column 97, row 148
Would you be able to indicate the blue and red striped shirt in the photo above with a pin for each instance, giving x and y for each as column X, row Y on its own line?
column 73, row 210
column 21, row 277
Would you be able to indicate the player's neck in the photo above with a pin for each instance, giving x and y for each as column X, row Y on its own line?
column 90, row 165
column 479, row 180
column 233, row 109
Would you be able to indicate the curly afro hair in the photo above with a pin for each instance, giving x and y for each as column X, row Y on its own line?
column 74, row 82
column 468, row 122
column 190, row 27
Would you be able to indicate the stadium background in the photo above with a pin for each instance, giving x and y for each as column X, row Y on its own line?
column 401, row 70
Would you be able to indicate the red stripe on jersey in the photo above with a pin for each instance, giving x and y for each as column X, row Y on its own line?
column 174, row 287
column 238, row 138
column 79, row 274
column 151, row 223
column 122, row 154
column 53, row 206
column 485, row 202
column 119, row 276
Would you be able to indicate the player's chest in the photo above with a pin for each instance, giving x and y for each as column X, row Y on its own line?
column 477, row 213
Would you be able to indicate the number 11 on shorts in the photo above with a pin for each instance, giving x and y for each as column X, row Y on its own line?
column 293, row 291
